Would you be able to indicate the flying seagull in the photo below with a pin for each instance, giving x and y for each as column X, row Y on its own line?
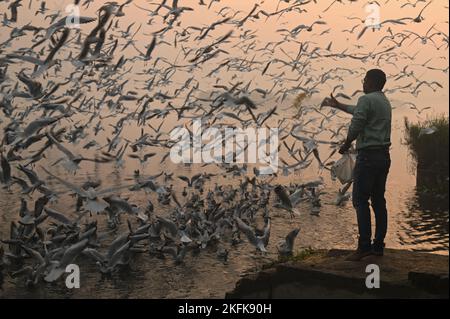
column 286, row 246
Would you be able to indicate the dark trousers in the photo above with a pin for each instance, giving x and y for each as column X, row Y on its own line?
column 369, row 182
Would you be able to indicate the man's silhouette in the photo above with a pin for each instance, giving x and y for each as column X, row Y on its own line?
column 371, row 128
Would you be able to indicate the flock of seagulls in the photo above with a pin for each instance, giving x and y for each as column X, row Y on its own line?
column 74, row 94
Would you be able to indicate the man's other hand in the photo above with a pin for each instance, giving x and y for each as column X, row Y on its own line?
column 344, row 148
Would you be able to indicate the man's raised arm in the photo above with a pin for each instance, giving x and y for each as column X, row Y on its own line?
column 332, row 102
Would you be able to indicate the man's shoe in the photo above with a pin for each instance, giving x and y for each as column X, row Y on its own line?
column 378, row 250
column 358, row 255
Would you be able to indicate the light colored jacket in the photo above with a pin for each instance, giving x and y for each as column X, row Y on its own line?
column 371, row 122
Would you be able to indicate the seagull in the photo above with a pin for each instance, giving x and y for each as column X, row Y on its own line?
column 428, row 130
column 5, row 173
column 34, row 88
column 175, row 11
column 334, row 1
column 150, row 49
column 45, row 65
column 58, row 216
column 286, row 246
column 70, row 161
column 93, row 203
column 119, row 12
column 243, row 100
column 34, row 127
column 393, row 21
column 191, row 182
column 32, row 177
column 412, row 4
column 342, row 195
column 308, row 28
column 39, row 268
column 178, row 252
column 419, row 17
column 61, row 24
column 13, row 7
column 412, row 106
column 260, row 242
column 285, row 200
column 143, row 159
column 424, row 39
column 42, row 9
column 58, row 267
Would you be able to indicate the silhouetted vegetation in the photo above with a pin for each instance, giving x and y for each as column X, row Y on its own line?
column 428, row 145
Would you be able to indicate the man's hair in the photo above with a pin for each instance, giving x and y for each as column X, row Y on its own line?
column 377, row 77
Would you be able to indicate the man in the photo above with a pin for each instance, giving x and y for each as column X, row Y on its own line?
column 371, row 128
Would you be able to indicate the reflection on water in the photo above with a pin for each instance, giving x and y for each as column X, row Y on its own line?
column 426, row 223
column 412, row 225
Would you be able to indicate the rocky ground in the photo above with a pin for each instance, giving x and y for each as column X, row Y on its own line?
column 326, row 274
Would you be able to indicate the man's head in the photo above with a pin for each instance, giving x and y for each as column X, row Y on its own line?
column 374, row 81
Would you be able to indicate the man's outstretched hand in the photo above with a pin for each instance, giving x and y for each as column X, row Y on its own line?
column 330, row 101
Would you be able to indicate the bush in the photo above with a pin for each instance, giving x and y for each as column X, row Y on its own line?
column 428, row 150
column 428, row 145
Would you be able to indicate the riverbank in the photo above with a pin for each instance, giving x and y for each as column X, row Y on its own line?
column 326, row 274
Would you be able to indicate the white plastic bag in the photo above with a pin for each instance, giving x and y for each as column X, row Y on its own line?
column 343, row 168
